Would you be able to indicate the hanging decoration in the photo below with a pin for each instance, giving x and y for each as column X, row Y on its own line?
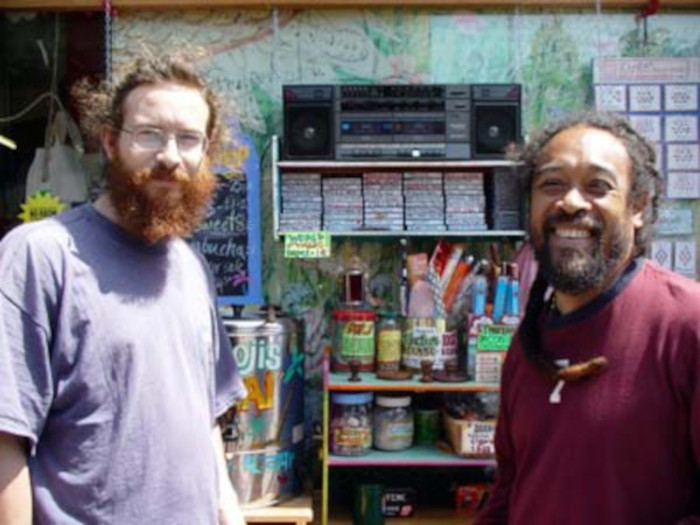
column 107, row 9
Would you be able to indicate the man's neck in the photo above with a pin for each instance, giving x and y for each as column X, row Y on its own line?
column 104, row 206
column 567, row 303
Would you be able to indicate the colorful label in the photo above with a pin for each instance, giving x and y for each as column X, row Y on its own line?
column 388, row 349
column 357, row 341
column 421, row 342
column 352, row 437
column 477, row 438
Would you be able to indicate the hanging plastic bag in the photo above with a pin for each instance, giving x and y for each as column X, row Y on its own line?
column 57, row 167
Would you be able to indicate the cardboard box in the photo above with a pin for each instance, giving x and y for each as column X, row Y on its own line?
column 471, row 438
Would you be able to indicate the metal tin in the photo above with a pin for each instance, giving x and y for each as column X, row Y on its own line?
column 353, row 338
column 427, row 338
column 264, row 443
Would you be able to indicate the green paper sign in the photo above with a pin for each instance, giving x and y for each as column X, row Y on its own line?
column 495, row 337
column 307, row 245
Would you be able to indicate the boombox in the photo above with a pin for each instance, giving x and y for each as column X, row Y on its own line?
column 400, row 122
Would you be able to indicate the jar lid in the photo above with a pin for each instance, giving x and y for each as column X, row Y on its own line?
column 354, row 315
column 393, row 402
column 359, row 398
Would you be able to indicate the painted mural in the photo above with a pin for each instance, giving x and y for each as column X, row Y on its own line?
column 248, row 56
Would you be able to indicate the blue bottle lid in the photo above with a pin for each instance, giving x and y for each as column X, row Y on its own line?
column 359, row 398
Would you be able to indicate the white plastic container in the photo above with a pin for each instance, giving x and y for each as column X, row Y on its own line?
column 393, row 423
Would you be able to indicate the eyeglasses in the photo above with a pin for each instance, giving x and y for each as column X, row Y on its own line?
column 189, row 143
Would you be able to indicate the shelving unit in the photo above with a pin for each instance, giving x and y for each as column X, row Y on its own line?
column 417, row 456
column 423, row 516
column 369, row 381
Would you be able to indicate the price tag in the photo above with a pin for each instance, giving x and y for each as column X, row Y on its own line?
column 307, row 245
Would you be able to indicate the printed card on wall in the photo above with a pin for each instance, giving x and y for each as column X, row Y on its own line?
column 681, row 128
column 611, row 98
column 661, row 97
column 683, row 185
column 649, row 126
column 681, row 97
column 682, row 156
column 684, row 261
column 645, row 98
column 661, row 252
column 675, row 221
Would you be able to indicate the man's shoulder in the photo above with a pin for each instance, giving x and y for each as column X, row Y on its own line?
column 43, row 235
column 669, row 289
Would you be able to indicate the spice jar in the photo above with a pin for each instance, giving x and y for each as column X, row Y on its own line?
column 393, row 423
column 388, row 342
column 351, row 423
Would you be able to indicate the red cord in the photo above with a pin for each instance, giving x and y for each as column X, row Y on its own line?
column 651, row 9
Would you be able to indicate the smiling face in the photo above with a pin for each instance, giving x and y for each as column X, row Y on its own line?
column 581, row 221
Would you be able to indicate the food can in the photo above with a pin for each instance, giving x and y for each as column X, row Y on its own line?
column 353, row 338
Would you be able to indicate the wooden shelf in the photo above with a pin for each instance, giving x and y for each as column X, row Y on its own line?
column 298, row 511
column 338, row 381
column 445, row 233
column 416, row 456
column 329, row 166
column 422, row 516
column 96, row 5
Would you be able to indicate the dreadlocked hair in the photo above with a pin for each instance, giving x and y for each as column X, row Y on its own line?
column 528, row 330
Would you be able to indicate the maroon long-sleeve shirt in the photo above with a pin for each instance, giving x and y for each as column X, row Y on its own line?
column 622, row 447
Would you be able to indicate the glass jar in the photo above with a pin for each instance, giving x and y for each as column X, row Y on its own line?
column 388, row 342
column 351, row 423
column 393, row 423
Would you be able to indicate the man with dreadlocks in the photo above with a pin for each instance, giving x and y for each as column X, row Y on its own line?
column 599, row 421
column 114, row 363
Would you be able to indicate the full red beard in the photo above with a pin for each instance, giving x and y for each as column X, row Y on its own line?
column 156, row 218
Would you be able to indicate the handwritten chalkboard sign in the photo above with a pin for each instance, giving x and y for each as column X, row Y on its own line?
column 229, row 237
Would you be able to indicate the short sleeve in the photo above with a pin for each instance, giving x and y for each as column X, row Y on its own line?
column 26, row 388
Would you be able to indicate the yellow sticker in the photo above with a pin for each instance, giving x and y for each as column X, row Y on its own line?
column 39, row 206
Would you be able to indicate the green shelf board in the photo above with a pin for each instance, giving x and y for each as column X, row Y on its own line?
column 369, row 381
column 419, row 455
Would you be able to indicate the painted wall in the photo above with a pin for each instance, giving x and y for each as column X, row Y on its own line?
column 249, row 55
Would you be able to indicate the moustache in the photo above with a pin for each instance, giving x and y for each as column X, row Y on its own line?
column 578, row 219
column 161, row 172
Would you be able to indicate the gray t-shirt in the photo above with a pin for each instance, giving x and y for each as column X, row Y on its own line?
column 114, row 365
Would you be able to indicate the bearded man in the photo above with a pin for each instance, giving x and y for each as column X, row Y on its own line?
column 114, row 362
column 599, row 420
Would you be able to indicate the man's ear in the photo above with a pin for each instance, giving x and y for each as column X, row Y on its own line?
column 638, row 209
column 108, row 139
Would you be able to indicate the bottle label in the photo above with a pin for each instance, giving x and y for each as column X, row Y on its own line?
column 388, row 349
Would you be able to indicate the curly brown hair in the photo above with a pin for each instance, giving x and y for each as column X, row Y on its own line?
column 104, row 104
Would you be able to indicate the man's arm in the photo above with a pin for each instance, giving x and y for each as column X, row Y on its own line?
column 229, row 511
column 15, row 489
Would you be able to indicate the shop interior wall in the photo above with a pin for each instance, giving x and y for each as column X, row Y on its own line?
column 249, row 54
